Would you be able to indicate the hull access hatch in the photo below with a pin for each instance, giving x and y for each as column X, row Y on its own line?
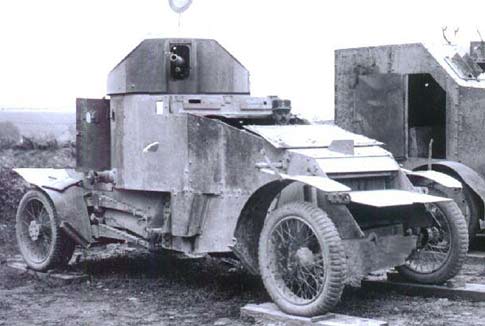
column 308, row 136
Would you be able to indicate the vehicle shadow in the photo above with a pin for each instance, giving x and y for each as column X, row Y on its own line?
column 220, row 274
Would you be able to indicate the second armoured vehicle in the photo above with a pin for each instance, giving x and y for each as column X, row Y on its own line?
column 181, row 157
column 427, row 103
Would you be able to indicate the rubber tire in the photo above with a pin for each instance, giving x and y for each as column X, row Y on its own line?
column 472, row 201
column 63, row 247
column 473, row 221
column 334, row 256
column 459, row 249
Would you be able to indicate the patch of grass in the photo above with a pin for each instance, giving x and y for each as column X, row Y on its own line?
column 12, row 186
column 9, row 134
column 11, row 189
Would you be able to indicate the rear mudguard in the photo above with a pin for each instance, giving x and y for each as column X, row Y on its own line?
column 63, row 187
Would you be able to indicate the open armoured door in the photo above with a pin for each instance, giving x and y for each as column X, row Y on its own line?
column 93, row 134
column 379, row 110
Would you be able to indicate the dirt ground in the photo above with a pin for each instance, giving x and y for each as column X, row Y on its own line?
column 127, row 286
column 130, row 287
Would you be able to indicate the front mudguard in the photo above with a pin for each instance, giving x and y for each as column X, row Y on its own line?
column 430, row 177
column 469, row 177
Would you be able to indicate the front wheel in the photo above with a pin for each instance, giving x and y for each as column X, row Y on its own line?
column 441, row 248
column 301, row 259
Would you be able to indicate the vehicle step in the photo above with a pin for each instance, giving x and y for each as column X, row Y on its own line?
column 51, row 277
column 453, row 289
column 476, row 257
column 269, row 312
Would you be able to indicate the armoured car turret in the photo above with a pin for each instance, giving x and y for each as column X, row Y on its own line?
column 182, row 157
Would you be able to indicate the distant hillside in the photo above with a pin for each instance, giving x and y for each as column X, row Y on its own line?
column 41, row 124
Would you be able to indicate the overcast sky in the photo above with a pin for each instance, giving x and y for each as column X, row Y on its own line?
column 53, row 51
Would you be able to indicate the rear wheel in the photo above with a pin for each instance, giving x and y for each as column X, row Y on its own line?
column 441, row 248
column 469, row 205
column 471, row 211
column 301, row 259
column 41, row 242
column 468, row 202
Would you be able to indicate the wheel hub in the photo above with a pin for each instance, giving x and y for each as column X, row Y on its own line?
column 305, row 257
column 34, row 230
column 433, row 235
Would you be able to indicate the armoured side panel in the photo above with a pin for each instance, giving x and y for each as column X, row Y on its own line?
column 206, row 157
column 93, row 140
column 241, row 151
column 471, row 130
column 137, row 125
column 217, row 231
column 222, row 175
column 162, row 151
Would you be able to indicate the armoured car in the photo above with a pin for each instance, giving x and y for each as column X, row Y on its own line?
column 426, row 103
column 181, row 157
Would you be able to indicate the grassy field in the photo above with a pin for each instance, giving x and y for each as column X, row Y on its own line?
column 40, row 127
column 42, row 124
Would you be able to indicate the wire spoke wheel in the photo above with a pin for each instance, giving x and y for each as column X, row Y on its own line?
column 296, row 259
column 40, row 240
column 434, row 248
column 301, row 258
column 441, row 247
column 35, row 230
